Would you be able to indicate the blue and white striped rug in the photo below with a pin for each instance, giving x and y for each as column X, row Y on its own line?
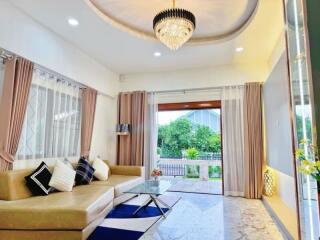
column 120, row 224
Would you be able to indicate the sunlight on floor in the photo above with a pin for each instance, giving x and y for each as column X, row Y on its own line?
column 194, row 185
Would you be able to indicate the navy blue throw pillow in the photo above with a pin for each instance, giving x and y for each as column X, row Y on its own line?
column 84, row 172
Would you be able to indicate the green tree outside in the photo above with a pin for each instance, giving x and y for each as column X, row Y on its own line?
column 175, row 137
column 300, row 128
column 215, row 143
column 192, row 153
column 179, row 135
column 201, row 138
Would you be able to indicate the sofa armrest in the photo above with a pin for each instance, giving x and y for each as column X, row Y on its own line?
column 127, row 170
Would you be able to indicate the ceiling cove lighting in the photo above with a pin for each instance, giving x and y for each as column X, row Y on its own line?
column 174, row 26
column 73, row 22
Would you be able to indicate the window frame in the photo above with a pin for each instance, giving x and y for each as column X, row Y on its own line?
column 189, row 105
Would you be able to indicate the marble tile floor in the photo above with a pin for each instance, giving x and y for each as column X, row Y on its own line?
column 195, row 186
column 214, row 217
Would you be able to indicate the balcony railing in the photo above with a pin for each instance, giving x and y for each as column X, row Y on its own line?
column 204, row 169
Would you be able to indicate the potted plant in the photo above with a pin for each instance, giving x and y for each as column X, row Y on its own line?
column 308, row 156
column 156, row 173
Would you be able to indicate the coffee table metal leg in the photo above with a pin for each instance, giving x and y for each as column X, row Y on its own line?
column 144, row 205
column 163, row 203
column 157, row 205
column 156, row 201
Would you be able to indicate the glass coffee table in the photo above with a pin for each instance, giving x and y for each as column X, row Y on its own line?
column 154, row 189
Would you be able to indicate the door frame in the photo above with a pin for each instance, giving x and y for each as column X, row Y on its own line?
column 180, row 106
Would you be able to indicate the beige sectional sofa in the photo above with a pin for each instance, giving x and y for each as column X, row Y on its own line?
column 61, row 215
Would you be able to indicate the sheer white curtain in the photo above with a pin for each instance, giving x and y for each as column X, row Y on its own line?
column 52, row 122
column 151, row 139
column 233, row 140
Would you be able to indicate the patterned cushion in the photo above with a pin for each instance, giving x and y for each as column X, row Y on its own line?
column 38, row 180
column 84, row 171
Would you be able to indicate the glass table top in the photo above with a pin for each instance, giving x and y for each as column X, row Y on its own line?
column 151, row 187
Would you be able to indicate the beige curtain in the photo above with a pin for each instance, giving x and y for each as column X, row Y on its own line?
column 88, row 109
column 16, row 87
column 253, row 140
column 132, row 109
column 232, row 99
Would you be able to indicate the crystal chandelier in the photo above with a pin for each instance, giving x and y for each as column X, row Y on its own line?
column 174, row 26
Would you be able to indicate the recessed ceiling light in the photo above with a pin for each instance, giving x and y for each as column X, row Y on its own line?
column 157, row 54
column 73, row 22
column 239, row 49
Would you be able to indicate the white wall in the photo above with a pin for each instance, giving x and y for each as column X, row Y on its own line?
column 24, row 36
column 279, row 152
column 286, row 189
column 277, row 118
column 195, row 78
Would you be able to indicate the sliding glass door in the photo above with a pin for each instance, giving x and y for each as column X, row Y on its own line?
column 302, row 105
column 190, row 146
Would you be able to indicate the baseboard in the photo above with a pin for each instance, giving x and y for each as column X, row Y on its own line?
column 286, row 229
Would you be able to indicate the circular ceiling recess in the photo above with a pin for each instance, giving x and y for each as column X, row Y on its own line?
column 216, row 20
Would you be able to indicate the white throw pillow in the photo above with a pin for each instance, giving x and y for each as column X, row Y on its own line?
column 101, row 169
column 62, row 177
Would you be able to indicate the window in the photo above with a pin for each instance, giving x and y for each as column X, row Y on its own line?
column 52, row 122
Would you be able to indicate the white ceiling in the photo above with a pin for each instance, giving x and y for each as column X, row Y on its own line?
column 231, row 15
column 125, row 53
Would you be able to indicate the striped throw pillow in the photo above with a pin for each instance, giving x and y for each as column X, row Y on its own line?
column 84, row 172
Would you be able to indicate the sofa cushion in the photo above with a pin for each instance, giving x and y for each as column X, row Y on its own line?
column 120, row 183
column 38, row 180
column 127, row 170
column 61, row 210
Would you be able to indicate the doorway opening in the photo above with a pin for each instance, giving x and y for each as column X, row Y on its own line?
column 190, row 146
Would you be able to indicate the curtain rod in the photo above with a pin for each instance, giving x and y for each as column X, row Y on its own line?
column 58, row 75
column 193, row 89
column 81, row 85
column 5, row 55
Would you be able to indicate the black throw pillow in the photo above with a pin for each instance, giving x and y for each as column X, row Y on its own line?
column 38, row 180
column 84, row 172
